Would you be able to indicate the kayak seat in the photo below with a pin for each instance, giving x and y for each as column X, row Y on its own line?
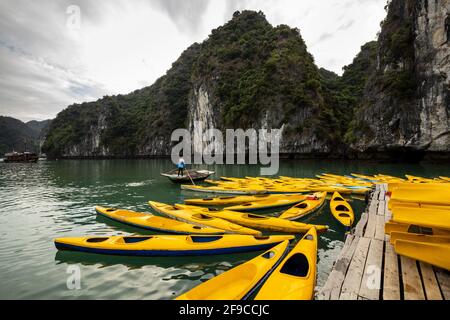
column 342, row 208
column 268, row 255
column 110, row 210
column 297, row 266
column 253, row 216
column 302, row 205
column 96, row 240
column 196, row 227
column 135, row 239
column 197, row 239
column 420, row 230
column 261, row 237
column 202, row 217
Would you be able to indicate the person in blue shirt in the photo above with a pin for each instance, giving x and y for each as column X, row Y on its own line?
column 181, row 166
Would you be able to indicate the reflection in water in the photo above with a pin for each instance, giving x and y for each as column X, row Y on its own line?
column 46, row 200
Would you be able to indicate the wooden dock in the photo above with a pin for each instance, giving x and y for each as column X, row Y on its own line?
column 369, row 269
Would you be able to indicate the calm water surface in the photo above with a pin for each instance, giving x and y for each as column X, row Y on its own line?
column 39, row 202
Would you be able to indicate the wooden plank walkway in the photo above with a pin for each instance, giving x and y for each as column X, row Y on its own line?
column 369, row 269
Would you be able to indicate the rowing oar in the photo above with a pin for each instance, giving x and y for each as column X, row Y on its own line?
column 187, row 171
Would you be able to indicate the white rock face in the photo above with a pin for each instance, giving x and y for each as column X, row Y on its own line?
column 433, row 59
column 201, row 117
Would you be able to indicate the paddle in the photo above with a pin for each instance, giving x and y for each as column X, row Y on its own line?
column 187, row 171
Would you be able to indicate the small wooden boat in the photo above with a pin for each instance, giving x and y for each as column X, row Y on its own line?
column 21, row 157
column 188, row 176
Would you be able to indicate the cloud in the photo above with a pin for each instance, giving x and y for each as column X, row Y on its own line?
column 346, row 25
column 124, row 45
column 187, row 15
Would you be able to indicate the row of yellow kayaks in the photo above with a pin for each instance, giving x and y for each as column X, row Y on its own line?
column 270, row 276
column 262, row 185
column 260, row 222
column 420, row 225
column 199, row 218
column 428, row 245
column 154, row 223
column 186, row 219
column 304, row 204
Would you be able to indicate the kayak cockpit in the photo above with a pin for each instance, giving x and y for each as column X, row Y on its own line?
column 297, row 266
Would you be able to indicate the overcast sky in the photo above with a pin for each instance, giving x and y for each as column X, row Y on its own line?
column 48, row 60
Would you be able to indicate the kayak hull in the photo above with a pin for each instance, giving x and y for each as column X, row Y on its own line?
column 169, row 245
column 304, row 208
column 258, row 222
column 295, row 277
column 278, row 202
column 230, row 200
column 342, row 210
column 435, row 254
column 154, row 223
column 240, row 282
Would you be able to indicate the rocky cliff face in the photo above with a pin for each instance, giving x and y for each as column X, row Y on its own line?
column 249, row 74
column 406, row 101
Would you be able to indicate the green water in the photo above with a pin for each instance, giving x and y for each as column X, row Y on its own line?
column 39, row 202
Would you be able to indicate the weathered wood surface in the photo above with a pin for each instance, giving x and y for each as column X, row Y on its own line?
column 444, row 282
column 412, row 284
column 430, row 284
column 367, row 259
column 371, row 226
column 352, row 282
column 379, row 232
column 391, row 283
column 332, row 288
column 371, row 282
column 359, row 229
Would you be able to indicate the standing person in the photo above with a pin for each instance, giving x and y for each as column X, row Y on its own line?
column 181, row 166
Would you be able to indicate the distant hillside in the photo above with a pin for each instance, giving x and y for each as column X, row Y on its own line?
column 18, row 136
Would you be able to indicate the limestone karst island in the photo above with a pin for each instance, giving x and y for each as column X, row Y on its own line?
column 225, row 150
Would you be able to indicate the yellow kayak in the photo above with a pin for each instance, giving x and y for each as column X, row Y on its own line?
column 311, row 204
column 154, row 223
column 426, row 217
column 342, row 210
column 295, row 277
column 223, row 190
column 198, row 218
column 436, row 254
column 256, row 221
column 414, row 237
column 415, row 179
column 272, row 203
column 169, row 245
column 427, row 193
column 239, row 282
column 231, row 200
column 392, row 226
column 394, row 205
